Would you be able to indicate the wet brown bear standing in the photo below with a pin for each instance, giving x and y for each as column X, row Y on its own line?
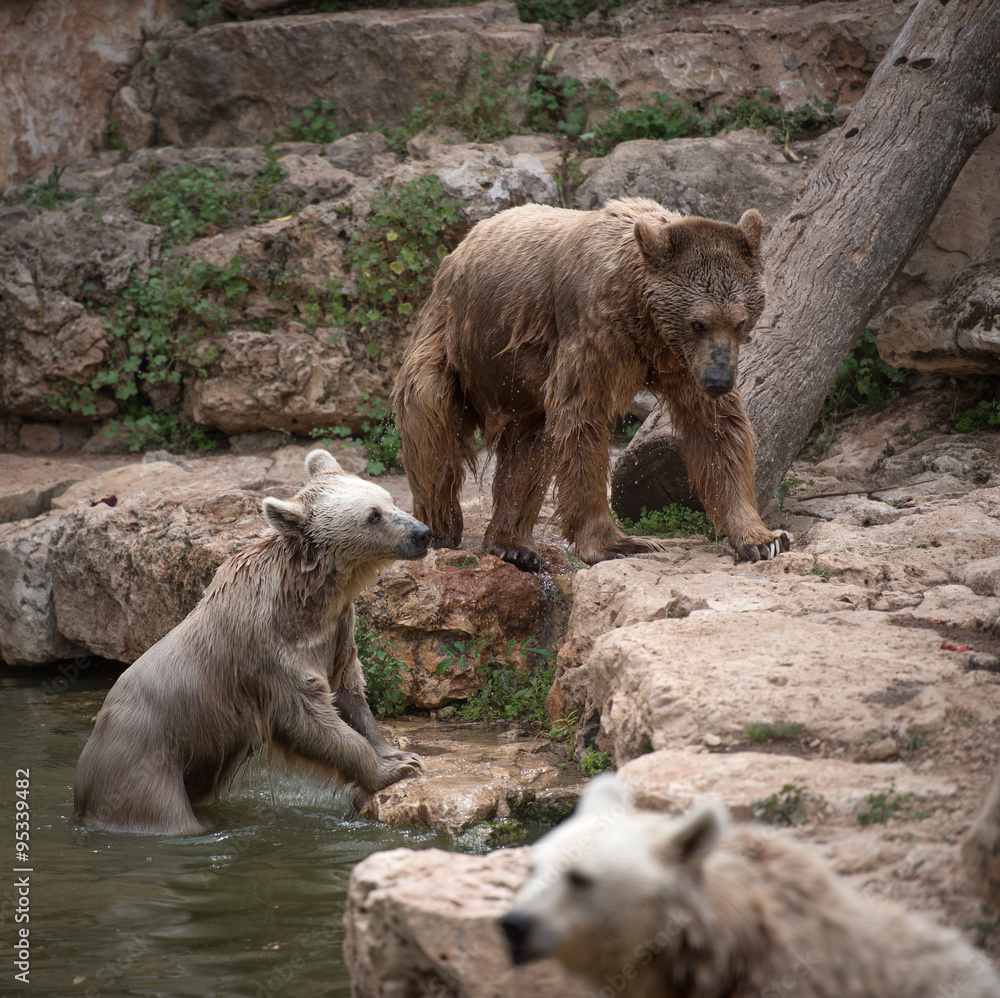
column 267, row 659
column 542, row 326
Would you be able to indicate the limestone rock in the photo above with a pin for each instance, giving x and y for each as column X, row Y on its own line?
column 22, row 501
column 42, row 45
column 956, row 335
column 29, row 633
column 671, row 780
column 432, row 609
column 426, row 923
column 718, row 177
column 662, row 684
column 376, row 64
column 708, row 57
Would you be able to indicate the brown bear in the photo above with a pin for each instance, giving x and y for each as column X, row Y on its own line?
column 541, row 327
column 266, row 659
column 643, row 906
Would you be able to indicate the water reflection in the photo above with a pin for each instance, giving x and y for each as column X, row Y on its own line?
column 252, row 907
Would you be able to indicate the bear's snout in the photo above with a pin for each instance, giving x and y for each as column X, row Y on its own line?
column 420, row 536
column 516, row 927
column 719, row 378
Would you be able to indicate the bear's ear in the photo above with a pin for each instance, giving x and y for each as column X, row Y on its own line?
column 286, row 516
column 751, row 224
column 322, row 462
column 605, row 793
column 658, row 241
column 694, row 835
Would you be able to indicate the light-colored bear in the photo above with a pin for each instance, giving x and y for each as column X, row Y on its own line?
column 643, row 905
column 267, row 659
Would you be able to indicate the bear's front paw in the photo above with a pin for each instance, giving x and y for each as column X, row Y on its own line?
column 520, row 556
column 763, row 550
column 400, row 757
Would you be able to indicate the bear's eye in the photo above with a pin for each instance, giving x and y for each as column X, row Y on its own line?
column 374, row 516
column 739, row 327
column 579, row 880
column 698, row 327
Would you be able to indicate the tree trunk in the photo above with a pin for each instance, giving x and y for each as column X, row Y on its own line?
column 869, row 201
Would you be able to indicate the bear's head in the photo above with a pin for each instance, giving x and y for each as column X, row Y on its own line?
column 611, row 885
column 703, row 282
column 344, row 521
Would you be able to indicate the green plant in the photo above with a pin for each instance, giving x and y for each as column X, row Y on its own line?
column 564, row 11
column 790, row 481
column 864, row 381
column 382, row 670
column 882, row 806
column 989, row 923
column 185, row 199
column 393, row 259
column 48, row 195
column 766, row 114
column 767, row 731
column 984, row 414
column 144, row 428
column 665, row 118
column 783, row 807
column 671, row 521
column 155, row 323
column 593, row 762
column 507, row 693
column 196, row 7
column 556, row 102
column 315, row 123
column 823, row 573
column 379, row 435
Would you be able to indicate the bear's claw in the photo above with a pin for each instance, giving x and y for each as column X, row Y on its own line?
column 781, row 541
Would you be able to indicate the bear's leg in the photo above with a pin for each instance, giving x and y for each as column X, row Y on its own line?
column 717, row 446
column 437, row 427
column 522, row 476
column 308, row 726
column 582, row 459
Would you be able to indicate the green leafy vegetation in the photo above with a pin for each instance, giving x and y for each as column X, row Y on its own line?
column 671, row 521
column 382, row 670
column 982, row 414
column 156, row 323
column 507, row 694
column 767, row 731
column 865, row 381
column 48, row 195
column 394, row 258
column 379, row 436
column 790, row 481
column 882, row 806
column 764, row 113
column 592, row 761
column 185, row 199
column 664, row 118
column 315, row 123
column 783, row 808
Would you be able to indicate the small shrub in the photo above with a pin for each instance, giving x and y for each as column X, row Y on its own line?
column 379, row 436
column 593, row 762
column 783, row 808
column 183, row 200
column 982, row 415
column 382, row 670
column 315, row 123
column 882, row 806
column 146, row 429
column 865, row 381
column 765, row 114
column 671, row 521
column 48, row 195
column 665, row 118
column 507, row 694
column 783, row 731
column 393, row 260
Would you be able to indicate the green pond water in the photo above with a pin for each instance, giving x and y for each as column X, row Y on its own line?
column 252, row 907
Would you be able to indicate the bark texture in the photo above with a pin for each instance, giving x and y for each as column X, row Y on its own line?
column 869, row 201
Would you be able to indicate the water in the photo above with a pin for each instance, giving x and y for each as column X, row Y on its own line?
column 253, row 907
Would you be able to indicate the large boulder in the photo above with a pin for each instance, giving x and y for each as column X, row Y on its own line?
column 426, row 923
column 235, row 83
column 954, row 335
column 710, row 56
column 42, row 45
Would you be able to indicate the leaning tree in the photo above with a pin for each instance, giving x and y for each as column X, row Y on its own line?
column 868, row 202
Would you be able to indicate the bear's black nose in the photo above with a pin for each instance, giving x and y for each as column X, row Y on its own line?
column 421, row 535
column 719, row 379
column 517, row 927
